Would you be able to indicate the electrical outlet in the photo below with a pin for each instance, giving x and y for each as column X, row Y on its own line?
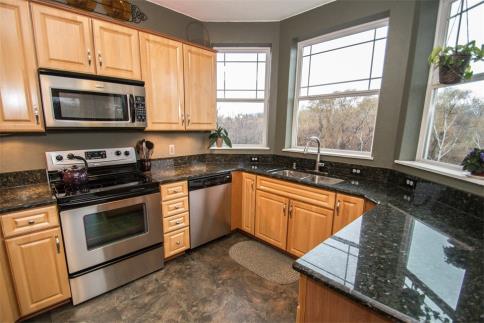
column 356, row 171
column 254, row 159
column 171, row 149
column 410, row 182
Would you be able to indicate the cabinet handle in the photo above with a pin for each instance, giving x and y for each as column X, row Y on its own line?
column 177, row 222
column 183, row 118
column 31, row 222
column 337, row 208
column 252, row 184
column 188, row 119
column 100, row 58
column 284, row 209
column 290, row 210
column 36, row 114
column 89, row 56
column 57, row 243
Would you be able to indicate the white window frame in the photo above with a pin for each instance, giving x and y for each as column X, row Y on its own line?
column 433, row 84
column 316, row 40
column 267, row 51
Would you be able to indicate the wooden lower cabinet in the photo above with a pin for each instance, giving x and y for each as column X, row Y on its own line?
column 248, row 202
column 39, row 270
column 348, row 208
column 319, row 303
column 271, row 218
column 176, row 242
column 309, row 225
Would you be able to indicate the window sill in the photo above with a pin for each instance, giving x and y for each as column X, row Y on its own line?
column 330, row 153
column 241, row 148
column 457, row 174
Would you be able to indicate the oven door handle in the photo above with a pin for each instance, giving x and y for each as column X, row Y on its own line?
column 132, row 109
column 131, row 193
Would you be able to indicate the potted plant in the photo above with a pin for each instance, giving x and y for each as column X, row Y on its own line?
column 454, row 62
column 474, row 162
column 218, row 137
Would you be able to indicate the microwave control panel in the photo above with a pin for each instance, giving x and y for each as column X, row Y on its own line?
column 140, row 108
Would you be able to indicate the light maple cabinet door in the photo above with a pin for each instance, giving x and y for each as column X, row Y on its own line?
column 20, row 109
column 348, row 208
column 271, row 218
column 63, row 40
column 39, row 270
column 248, row 202
column 117, row 50
column 162, row 71
column 200, row 88
column 309, row 225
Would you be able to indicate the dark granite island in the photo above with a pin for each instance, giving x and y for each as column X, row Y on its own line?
column 422, row 261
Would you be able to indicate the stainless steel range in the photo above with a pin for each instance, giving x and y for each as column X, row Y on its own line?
column 111, row 225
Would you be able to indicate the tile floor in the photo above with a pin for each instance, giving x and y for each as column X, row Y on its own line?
column 205, row 285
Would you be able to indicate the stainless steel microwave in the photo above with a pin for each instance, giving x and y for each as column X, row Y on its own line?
column 82, row 101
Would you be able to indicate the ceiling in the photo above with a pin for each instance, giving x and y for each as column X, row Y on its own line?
column 240, row 10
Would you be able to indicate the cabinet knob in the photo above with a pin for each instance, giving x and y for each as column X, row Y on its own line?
column 284, row 209
column 89, row 56
column 36, row 114
column 178, row 243
column 31, row 222
column 337, row 208
column 100, row 59
column 177, row 222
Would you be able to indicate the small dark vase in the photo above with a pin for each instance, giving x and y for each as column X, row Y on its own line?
column 145, row 165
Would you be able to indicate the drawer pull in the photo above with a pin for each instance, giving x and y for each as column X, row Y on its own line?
column 177, row 207
column 178, row 243
column 30, row 222
column 177, row 222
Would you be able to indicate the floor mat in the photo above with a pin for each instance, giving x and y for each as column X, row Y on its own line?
column 264, row 261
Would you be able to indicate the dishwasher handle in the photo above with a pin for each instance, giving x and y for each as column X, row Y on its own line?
column 209, row 181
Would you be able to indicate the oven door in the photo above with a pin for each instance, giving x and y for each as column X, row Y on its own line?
column 76, row 102
column 98, row 233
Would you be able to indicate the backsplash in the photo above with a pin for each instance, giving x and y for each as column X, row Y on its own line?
column 451, row 197
column 27, row 177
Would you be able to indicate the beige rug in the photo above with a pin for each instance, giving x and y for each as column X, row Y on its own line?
column 264, row 261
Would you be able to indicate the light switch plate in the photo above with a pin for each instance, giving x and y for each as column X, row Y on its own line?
column 171, row 149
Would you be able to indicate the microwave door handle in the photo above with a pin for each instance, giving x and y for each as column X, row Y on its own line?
column 132, row 108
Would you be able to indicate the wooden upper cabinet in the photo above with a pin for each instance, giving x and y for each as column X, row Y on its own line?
column 200, row 89
column 162, row 71
column 248, row 202
column 117, row 50
column 309, row 225
column 19, row 97
column 39, row 270
column 348, row 208
column 63, row 40
column 271, row 218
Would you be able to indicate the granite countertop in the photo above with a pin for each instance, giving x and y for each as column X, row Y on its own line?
column 24, row 197
column 411, row 257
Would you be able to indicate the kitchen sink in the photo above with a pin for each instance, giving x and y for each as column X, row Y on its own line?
column 309, row 177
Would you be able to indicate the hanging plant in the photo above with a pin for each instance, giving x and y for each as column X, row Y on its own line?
column 454, row 61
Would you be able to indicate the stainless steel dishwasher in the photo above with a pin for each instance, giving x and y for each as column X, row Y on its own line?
column 209, row 208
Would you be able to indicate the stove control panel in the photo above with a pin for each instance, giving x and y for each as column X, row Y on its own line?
column 58, row 160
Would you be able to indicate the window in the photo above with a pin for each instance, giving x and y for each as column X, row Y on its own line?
column 453, row 121
column 242, row 94
column 337, row 89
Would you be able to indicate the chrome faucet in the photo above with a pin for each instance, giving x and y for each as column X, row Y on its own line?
column 318, row 157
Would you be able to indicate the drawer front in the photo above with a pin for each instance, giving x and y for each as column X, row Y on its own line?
column 298, row 192
column 174, row 207
column 174, row 190
column 176, row 242
column 17, row 223
column 175, row 222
